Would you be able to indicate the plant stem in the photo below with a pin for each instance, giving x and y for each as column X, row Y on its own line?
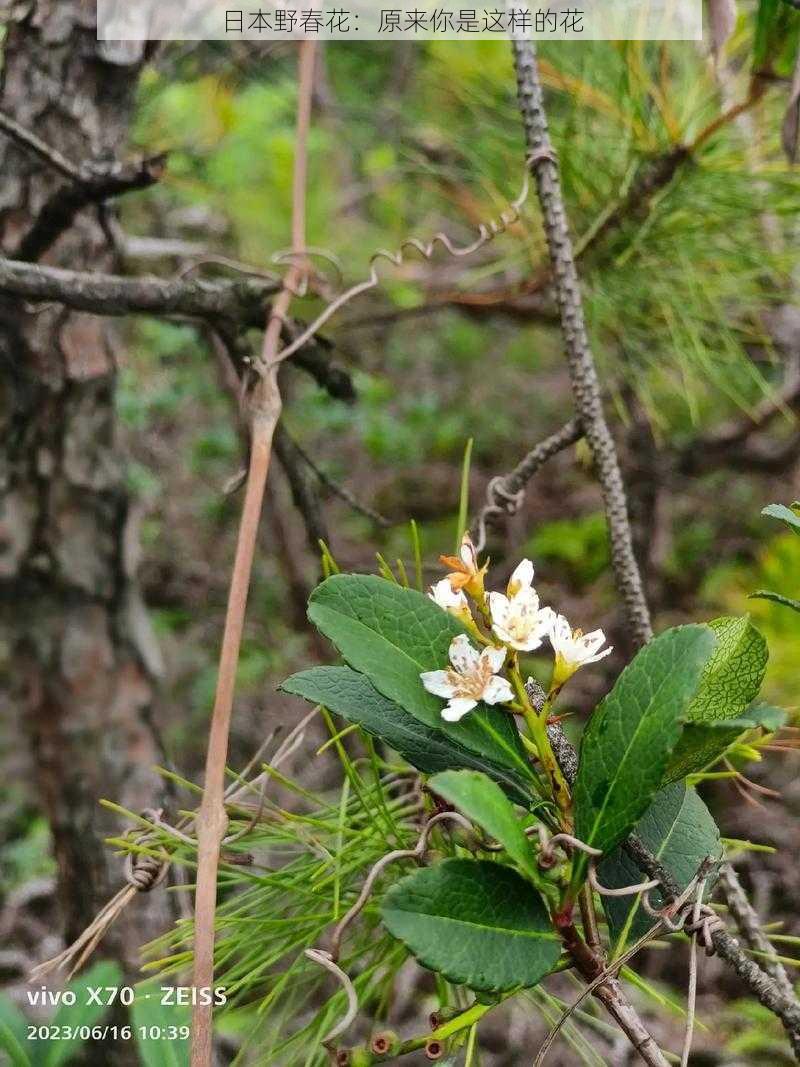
column 463, row 1021
column 265, row 410
column 537, row 726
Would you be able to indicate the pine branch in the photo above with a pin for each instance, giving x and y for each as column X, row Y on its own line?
column 583, row 374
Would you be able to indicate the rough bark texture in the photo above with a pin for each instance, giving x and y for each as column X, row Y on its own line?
column 583, row 374
column 77, row 653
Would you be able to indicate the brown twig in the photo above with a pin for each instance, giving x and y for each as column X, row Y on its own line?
column 94, row 185
column 583, row 374
column 747, row 922
column 265, row 408
column 49, row 155
column 230, row 307
column 244, row 301
column 339, row 490
column 504, row 494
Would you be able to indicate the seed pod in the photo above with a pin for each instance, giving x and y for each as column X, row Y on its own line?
column 385, row 1043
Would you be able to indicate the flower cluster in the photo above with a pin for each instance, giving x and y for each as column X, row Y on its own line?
column 518, row 623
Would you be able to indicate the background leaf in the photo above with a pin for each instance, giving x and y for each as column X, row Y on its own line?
column 789, row 516
column 702, row 744
column 485, row 804
column 149, row 1011
column 629, row 738
column 776, row 598
column 730, row 682
column 392, row 635
column 679, row 830
column 478, row 923
column 13, row 1033
column 105, row 973
column 351, row 695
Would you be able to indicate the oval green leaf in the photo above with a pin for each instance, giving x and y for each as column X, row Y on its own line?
column 477, row 923
column 729, row 683
column 392, row 634
column 351, row 695
column 629, row 738
column 679, row 830
column 485, row 804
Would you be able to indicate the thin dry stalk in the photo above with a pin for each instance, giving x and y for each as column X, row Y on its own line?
column 265, row 410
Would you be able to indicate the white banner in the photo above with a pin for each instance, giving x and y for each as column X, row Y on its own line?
column 418, row 20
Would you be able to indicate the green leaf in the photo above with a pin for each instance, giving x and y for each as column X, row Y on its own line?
column 775, row 44
column 146, row 1011
column 478, row 923
column 485, row 804
column 777, row 598
column 678, row 829
column 349, row 694
column 79, row 1014
column 730, row 682
column 392, row 635
column 629, row 738
column 13, row 1033
column 790, row 516
column 733, row 675
column 702, row 744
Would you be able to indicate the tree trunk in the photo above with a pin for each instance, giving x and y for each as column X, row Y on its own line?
column 81, row 662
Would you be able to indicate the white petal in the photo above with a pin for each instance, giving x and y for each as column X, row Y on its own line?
column 498, row 691
column 438, row 683
column 499, row 606
column 528, row 644
column 462, row 655
column 468, row 554
column 525, row 601
column 594, row 640
column 445, row 596
column 560, row 631
column 522, row 578
column 503, row 634
column 457, row 709
column 495, row 657
column 600, row 655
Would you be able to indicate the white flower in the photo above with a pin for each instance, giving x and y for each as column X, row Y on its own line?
column 573, row 648
column 517, row 618
column 450, row 600
column 472, row 677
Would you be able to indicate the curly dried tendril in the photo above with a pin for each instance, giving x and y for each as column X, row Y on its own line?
column 487, row 231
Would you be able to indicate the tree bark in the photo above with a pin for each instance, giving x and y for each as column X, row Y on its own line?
column 81, row 660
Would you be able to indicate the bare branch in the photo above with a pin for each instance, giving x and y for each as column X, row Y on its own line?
column 243, row 301
column 94, row 185
column 504, row 494
column 35, row 144
column 339, row 490
column 746, row 919
column 583, row 374
column 303, row 489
